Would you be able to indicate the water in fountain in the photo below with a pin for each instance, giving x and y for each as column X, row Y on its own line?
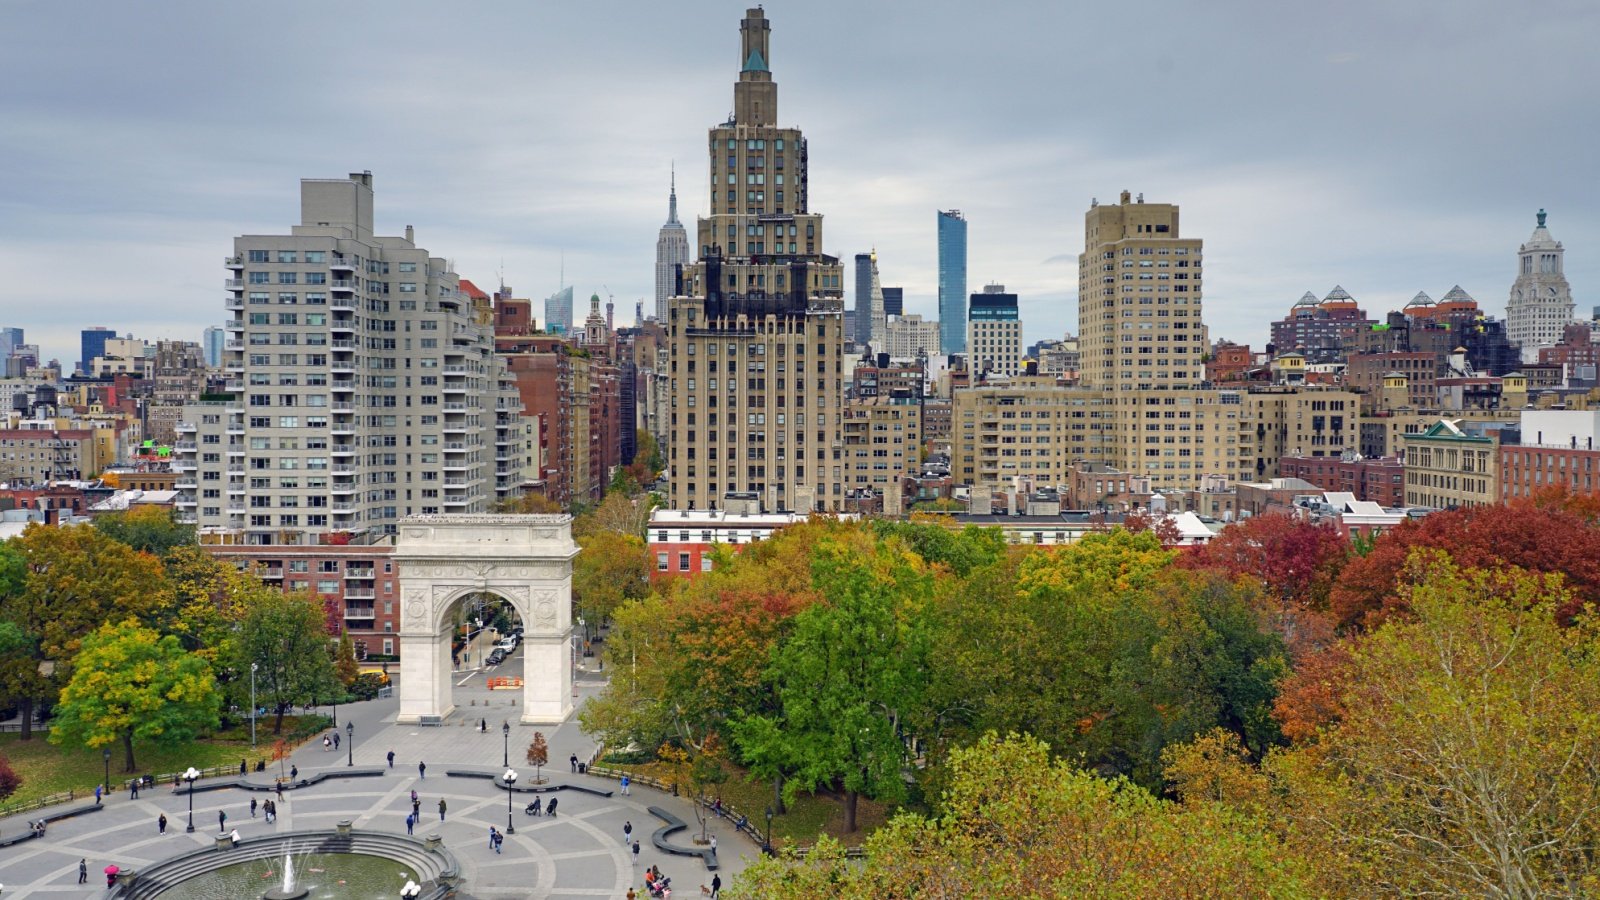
column 288, row 875
column 316, row 876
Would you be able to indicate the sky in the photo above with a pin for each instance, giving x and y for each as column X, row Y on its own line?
column 1388, row 147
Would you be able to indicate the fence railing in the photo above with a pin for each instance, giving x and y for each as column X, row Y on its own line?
column 16, row 727
column 742, row 822
column 148, row 782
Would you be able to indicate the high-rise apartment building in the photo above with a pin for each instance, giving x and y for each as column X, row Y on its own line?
column 994, row 332
column 10, row 340
column 757, row 344
column 1139, row 298
column 1541, row 301
column 952, row 281
column 92, row 343
column 212, row 343
column 364, row 386
column 910, row 337
column 672, row 253
column 558, row 311
column 860, row 318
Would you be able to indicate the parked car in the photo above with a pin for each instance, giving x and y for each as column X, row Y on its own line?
column 497, row 657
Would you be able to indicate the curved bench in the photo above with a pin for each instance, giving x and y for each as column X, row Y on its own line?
column 244, row 784
column 523, row 789
column 48, row 818
column 674, row 825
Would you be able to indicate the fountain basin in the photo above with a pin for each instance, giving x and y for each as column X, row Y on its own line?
column 328, row 866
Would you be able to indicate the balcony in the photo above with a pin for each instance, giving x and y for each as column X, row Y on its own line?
column 233, row 345
column 342, row 429
column 363, row 612
column 344, row 488
column 342, row 262
column 344, row 302
column 270, row 572
column 342, row 384
column 233, row 262
column 233, row 284
column 360, row 594
column 343, row 509
column 235, row 302
column 342, row 284
column 345, row 345
column 343, row 450
column 185, row 483
column 343, row 407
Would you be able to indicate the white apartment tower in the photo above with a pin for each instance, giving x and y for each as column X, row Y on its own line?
column 672, row 252
column 364, row 386
column 1541, row 301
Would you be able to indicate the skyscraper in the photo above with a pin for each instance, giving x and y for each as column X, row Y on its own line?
column 861, row 316
column 1139, row 298
column 870, row 318
column 952, row 281
column 558, row 311
column 212, row 344
column 894, row 301
column 1541, row 301
column 994, row 332
column 672, row 252
column 10, row 340
column 364, row 383
column 93, row 343
column 756, row 347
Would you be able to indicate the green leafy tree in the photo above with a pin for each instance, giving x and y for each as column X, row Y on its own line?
column 285, row 635
column 850, row 676
column 147, row 529
column 610, row 570
column 130, row 683
column 72, row 580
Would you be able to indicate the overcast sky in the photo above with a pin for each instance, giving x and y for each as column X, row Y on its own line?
column 1388, row 146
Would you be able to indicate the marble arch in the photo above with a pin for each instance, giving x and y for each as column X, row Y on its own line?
column 526, row 559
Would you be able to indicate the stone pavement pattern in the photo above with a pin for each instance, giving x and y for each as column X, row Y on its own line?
column 578, row 854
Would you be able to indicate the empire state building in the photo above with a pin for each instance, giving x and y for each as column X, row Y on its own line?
column 757, row 342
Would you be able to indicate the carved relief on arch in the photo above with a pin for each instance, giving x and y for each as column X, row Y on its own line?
column 416, row 606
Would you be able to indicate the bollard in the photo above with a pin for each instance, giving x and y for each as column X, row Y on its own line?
column 224, row 842
column 343, row 827
column 433, row 842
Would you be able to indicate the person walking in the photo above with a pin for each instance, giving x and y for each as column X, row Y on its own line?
column 222, row 820
column 327, row 743
column 716, row 887
column 636, row 853
column 133, row 789
column 441, row 809
column 252, row 807
column 336, row 740
column 161, row 824
column 627, row 833
column 416, row 807
column 411, row 822
column 492, row 833
column 551, row 809
column 498, row 840
column 294, row 773
column 83, row 871
column 537, row 806
column 97, row 789
column 391, row 759
column 422, row 770
column 280, row 790
column 713, row 845
column 625, row 784
column 483, row 726
column 574, row 762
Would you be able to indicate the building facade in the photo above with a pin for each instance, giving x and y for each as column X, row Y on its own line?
column 672, row 253
column 952, row 281
column 363, row 385
column 757, row 344
column 909, row 337
column 1449, row 466
column 994, row 332
column 1541, row 301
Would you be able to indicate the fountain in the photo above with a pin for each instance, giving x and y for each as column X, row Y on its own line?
column 287, row 890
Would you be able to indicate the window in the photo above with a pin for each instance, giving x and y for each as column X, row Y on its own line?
column 288, row 277
column 661, row 561
column 683, row 562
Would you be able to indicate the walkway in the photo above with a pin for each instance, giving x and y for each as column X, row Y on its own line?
column 578, row 854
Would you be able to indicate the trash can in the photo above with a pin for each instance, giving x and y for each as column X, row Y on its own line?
column 583, row 768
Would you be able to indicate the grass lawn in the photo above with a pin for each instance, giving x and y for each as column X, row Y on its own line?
column 809, row 816
column 48, row 769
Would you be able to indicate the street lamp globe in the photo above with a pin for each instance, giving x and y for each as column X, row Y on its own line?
column 509, row 776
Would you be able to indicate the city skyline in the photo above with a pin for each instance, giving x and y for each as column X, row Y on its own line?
column 1387, row 150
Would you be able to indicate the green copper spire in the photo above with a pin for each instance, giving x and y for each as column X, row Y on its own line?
column 754, row 62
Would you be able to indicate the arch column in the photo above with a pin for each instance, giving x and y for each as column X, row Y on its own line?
column 525, row 559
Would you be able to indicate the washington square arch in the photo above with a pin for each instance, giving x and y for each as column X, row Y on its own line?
column 524, row 559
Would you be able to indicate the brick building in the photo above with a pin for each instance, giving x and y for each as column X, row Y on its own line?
column 1380, row 481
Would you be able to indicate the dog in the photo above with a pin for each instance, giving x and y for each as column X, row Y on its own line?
column 705, row 891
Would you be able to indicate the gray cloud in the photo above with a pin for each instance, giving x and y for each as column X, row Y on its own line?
column 1388, row 147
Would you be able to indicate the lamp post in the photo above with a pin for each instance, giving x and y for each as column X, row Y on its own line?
column 336, row 710
column 505, row 729
column 106, row 755
column 767, row 835
column 350, row 741
column 253, row 707
column 510, row 778
column 191, row 775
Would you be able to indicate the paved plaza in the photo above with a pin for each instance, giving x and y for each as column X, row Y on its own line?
column 578, row 854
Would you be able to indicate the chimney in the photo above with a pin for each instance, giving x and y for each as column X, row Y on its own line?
column 411, row 235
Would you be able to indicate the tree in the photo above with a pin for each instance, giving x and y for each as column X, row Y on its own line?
column 538, row 756
column 850, row 675
column 73, row 579
column 611, row 569
column 1467, row 759
column 1537, row 538
column 1293, row 562
column 131, row 683
column 1015, row 823
column 285, row 635
column 147, row 529
column 10, row 781
column 528, row 503
column 345, row 667
column 618, row 513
